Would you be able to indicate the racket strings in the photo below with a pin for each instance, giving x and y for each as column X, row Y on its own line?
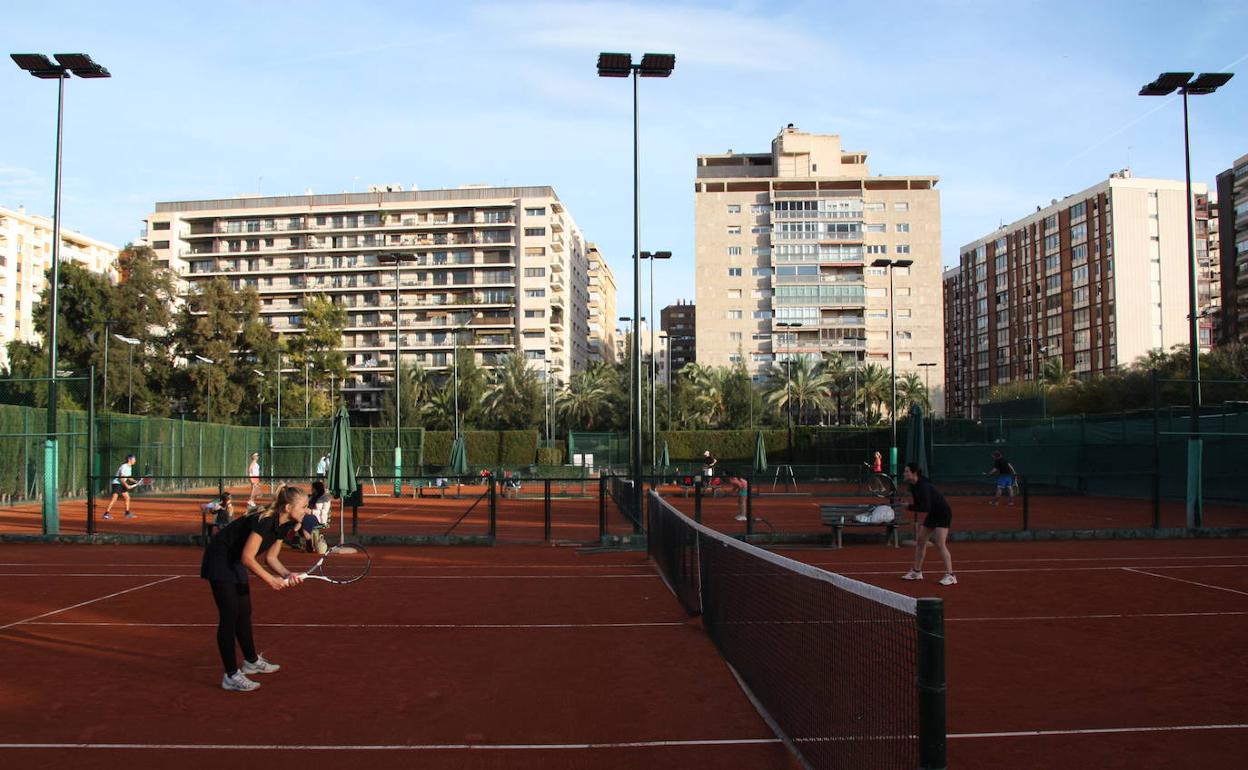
column 345, row 564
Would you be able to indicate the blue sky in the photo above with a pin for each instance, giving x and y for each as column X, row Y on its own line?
column 1010, row 103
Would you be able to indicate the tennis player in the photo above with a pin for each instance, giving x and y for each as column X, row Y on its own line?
column 253, row 473
column 123, row 482
column 230, row 554
column 1005, row 477
column 740, row 488
column 929, row 500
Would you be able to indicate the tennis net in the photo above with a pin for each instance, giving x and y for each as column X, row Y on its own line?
column 849, row 675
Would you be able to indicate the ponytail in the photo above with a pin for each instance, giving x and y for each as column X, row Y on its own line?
column 282, row 501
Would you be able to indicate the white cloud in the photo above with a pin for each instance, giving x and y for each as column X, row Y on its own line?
column 19, row 186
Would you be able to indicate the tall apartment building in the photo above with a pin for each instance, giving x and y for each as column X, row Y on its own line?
column 784, row 246
column 679, row 321
column 601, row 343
column 1048, row 286
column 1233, row 251
column 497, row 270
column 1208, row 283
column 25, row 256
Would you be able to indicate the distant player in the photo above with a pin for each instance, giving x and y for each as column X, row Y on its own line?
column 253, row 473
column 123, row 482
column 220, row 510
column 1006, row 476
column 738, row 486
column 322, row 467
column 927, row 499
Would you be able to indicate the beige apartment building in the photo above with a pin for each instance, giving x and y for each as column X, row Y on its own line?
column 1232, row 252
column 1095, row 280
column 602, row 318
column 784, row 246
column 498, row 270
column 25, row 256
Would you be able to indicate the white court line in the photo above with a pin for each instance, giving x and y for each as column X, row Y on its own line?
column 399, row 747
column 1021, row 561
column 1099, row 731
column 1181, row 580
column 651, row 575
column 90, row 601
column 652, row 624
column 1114, row 568
column 1099, row 616
column 195, row 565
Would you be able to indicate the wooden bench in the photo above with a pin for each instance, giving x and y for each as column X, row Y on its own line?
column 429, row 491
column 838, row 517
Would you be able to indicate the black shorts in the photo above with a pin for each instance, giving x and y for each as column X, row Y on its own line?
column 936, row 520
column 118, row 489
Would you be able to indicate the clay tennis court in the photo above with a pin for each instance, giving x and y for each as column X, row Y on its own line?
column 1112, row 654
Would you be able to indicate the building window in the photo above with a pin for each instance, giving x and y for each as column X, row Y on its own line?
column 877, row 228
column 734, row 229
column 734, row 294
column 535, row 272
column 535, row 292
column 734, row 251
column 873, row 206
column 901, row 206
column 160, row 244
column 764, row 230
column 734, row 208
column 903, row 227
column 760, row 272
column 735, row 315
column 762, row 314
column 535, row 314
column 534, row 232
column 903, row 249
column 539, row 211
column 877, row 249
column 734, row 272
column 760, row 208
column 734, row 336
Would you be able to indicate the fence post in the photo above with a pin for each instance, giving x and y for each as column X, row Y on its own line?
column 1156, row 474
column 931, row 626
column 546, row 511
column 92, row 461
column 749, row 505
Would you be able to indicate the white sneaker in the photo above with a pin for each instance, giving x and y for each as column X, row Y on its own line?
column 259, row 666
column 238, row 682
column 740, row 518
column 912, row 575
column 948, row 580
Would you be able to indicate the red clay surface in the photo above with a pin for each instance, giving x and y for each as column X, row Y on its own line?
column 799, row 513
column 443, row 658
column 1136, row 637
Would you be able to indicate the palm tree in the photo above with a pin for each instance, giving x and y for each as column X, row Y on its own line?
column 515, row 395
column 910, row 390
column 799, row 382
column 874, row 391
column 838, row 374
column 585, row 399
column 1056, row 375
column 707, row 405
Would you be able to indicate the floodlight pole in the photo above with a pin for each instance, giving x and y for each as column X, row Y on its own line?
column 51, row 451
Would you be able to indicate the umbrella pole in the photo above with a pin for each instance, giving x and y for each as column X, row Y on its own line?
column 342, row 512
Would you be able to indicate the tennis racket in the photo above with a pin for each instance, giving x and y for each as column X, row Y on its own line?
column 342, row 564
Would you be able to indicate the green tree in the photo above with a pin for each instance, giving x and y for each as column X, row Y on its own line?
column 874, row 392
column 515, row 396
column 141, row 306
column 911, row 390
column 590, row 398
column 317, row 354
column 416, row 388
column 209, row 327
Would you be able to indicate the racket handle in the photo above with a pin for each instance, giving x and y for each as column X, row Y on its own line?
column 302, row 576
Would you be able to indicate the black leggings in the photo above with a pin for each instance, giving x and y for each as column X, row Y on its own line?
column 234, row 622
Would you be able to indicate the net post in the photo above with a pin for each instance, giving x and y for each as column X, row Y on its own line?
column 493, row 508
column 930, row 616
column 749, row 506
column 697, row 500
column 546, row 510
column 602, row 507
column 1022, row 483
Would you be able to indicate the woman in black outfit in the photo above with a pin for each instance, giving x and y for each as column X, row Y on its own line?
column 929, row 500
column 233, row 551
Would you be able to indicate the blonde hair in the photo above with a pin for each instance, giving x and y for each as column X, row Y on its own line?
column 282, row 502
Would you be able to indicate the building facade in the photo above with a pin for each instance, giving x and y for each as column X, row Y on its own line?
column 1232, row 209
column 601, row 343
column 499, row 271
column 25, row 257
column 784, row 246
column 679, row 323
column 1094, row 281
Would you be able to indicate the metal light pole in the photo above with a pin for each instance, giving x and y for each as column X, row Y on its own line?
column 653, row 255
column 207, row 385
column 41, row 66
column 667, row 374
column 131, row 341
column 891, row 265
column 1164, row 85
column 620, row 65
column 398, row 259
